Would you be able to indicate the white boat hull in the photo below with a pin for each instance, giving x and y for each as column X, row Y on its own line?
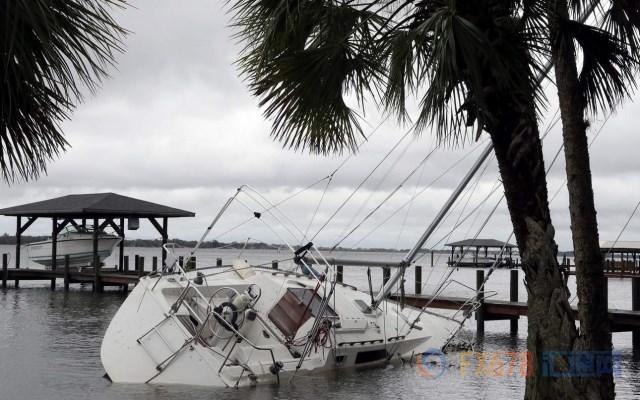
column 146, row 342
column 79, row 250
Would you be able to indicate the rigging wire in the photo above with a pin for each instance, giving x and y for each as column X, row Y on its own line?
column 626, row 224
column 315, row 212
column 389, row 196
column 427, row 187
column 377, row 186
column 297, row 193
column 359, row 186
column 406, row 214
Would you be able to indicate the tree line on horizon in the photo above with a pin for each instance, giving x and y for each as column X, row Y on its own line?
column 7, row 239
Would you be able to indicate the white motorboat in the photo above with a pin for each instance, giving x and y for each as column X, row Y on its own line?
column 77, row 243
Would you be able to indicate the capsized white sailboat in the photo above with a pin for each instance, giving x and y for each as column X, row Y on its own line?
column 246, row 325
column 77, row 243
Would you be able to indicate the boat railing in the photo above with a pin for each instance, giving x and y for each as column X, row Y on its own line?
column 189, row 286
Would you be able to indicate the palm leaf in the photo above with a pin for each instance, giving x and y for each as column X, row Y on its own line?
column 607, row 65
column 51, row 49
column 303, row 62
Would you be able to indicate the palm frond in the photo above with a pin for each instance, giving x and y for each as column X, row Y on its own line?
column 471, row 64
column 302, row 61
column 607, row 70
column 622, row 19
column 461, row 59
column 50, row 50
column 401, row 53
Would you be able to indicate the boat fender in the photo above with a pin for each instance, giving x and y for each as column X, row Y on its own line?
column 275, row 368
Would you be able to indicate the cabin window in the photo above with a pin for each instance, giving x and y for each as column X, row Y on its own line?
column 371, row 356
column 295, row 308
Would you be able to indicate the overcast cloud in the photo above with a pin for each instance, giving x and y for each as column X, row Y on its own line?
column 176, row 125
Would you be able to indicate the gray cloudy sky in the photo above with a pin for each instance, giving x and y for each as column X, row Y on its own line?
column 176, row 125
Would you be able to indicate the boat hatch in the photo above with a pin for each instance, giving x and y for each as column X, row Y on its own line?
column 295, row 308
column 364, row 307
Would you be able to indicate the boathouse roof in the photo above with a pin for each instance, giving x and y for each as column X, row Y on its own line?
column 95, row 205
column 620, row 245
column 480, row 243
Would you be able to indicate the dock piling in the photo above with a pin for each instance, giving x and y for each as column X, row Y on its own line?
column 480, row 296
column 97, row 281
column 54, row 250
column 125, row 261
column 140, row 266
column 5, row 270
column 418, row 277
column 635, row 306
column 218, row 262
column 18, row 246
column 66, row 273
column 386, row 275
column 513, row 297
column 274, row 264
column 340, row 273
column 154, row 264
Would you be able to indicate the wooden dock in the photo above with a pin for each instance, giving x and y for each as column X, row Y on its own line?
column 99, row 277
column 496, row 310
column 488, row 309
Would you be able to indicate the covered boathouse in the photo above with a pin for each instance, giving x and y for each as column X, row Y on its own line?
column 102, row 210
column 466, row 253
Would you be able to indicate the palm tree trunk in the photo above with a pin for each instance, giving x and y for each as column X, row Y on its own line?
column 595, row 332
column 551, row 323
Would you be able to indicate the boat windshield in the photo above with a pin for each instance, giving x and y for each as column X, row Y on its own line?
column 78, row 229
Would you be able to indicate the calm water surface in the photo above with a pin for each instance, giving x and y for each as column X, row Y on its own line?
column 50, row 346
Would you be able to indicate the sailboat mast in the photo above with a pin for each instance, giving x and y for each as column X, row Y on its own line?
column 411, row 255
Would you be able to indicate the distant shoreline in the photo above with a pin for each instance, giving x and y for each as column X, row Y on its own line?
column 7, row 239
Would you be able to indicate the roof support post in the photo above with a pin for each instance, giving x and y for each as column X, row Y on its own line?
column 54, row 249
column 97, row 285
column 121, row 247
column 18, row 237
column 162, row 229
column 165, row 238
